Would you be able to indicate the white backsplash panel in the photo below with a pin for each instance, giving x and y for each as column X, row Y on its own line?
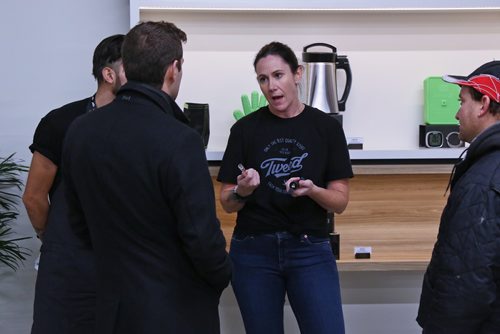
column 390, row 54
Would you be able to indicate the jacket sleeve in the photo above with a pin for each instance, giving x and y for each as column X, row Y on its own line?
column 460, row 284
column 190, row 189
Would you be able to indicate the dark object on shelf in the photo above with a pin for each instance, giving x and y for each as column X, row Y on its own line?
column 335, row 242
column 362, row 252
column 355, row 143
column 199, row 119
column 338, row 117
column 334, row 236
column 439, row 135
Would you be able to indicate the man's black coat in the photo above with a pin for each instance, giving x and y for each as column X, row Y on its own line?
column 139, row 190
column 461, row 288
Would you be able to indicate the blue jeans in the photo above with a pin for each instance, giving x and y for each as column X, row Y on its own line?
column 266, row 267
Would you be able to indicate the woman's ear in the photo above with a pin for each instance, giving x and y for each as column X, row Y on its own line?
column 298, row 74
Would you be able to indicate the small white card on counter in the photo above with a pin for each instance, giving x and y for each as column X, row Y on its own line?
column 362, row 252
column 362, row 249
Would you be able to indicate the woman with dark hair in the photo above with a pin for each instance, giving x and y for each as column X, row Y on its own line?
column 285, row 166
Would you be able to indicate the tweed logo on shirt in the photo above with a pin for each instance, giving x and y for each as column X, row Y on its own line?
column 286, row 159
column 280, row 167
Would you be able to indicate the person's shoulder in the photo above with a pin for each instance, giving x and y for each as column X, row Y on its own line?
column 251, row 119
column 316, row 113
column 484, row 172
column 321, row 117
column 313, row 110
column 489, row 166
column 69, row 110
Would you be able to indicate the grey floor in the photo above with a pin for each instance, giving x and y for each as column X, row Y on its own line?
column 15, row 312
column 17, row 288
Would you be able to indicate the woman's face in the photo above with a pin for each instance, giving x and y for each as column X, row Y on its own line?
column 279, row 85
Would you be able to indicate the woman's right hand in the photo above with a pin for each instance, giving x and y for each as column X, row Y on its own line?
column 247, row 182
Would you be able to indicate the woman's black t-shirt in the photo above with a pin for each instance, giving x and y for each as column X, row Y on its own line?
column 311, row 145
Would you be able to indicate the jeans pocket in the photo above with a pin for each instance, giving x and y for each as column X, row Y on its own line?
column 312, row 240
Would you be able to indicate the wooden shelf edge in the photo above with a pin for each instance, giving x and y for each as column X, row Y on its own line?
column 402, row 169
column 374, row 265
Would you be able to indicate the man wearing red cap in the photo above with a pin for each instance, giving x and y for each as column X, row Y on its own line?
column 461, row 288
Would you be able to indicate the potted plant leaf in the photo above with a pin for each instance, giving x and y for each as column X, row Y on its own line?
column 11, row 254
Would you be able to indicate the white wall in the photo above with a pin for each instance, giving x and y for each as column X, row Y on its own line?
column 46, row 61
column 391, row 53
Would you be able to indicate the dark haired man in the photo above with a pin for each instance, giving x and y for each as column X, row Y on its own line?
column 461, row 289
column 65, row 286
column 140, row 185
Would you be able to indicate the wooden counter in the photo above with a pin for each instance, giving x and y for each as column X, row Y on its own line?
column 396, row 214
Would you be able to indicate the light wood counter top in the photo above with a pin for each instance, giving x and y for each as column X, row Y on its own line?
column 393, row 209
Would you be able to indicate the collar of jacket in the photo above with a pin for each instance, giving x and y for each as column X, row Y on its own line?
column 157, row 96
column 486, row 142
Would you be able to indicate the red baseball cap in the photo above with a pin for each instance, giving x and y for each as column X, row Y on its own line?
column 484, row 79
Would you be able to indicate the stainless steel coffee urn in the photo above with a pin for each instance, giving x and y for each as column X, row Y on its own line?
column 321, row 78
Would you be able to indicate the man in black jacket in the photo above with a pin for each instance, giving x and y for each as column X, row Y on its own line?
column 139, row 184
column 461, row 288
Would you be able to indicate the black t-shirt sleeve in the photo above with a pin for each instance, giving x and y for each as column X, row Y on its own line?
column 339, row 162
column 46, row 141
column 50, row 132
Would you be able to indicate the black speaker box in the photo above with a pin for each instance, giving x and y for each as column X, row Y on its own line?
column 199, row 118
column 439, row 135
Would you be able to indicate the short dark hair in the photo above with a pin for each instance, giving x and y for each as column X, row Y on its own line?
column 278, row 49
column 106, row 53
column 148, row 50
column 477, row 96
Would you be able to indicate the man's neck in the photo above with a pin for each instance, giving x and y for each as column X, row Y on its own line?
column 103, row 97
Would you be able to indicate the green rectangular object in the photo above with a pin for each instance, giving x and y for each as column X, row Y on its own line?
column 441, row 101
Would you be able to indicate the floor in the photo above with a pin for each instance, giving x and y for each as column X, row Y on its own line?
column 17, row 289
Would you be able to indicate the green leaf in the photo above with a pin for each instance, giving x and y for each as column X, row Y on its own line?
column 11, row 254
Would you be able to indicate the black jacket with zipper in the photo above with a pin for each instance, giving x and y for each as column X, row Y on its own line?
column 461, row 288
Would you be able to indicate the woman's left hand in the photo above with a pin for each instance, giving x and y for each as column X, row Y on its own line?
column 297, row 186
